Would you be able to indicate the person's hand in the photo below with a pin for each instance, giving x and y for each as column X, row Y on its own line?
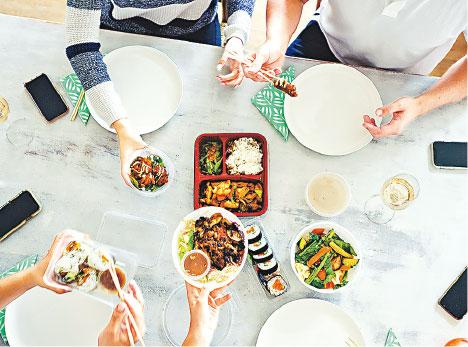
column 404, row 111
column 37, row 271
column 129, row 142
column 269, row 56
column 204, row 313
column 234, row 47
column 115, row 332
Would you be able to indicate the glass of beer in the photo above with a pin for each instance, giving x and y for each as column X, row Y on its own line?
column 396, row 194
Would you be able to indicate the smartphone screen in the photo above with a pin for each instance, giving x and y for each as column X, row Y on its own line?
column 454, row 300
column 46, row 97
column 16, row 211
column 450, row 154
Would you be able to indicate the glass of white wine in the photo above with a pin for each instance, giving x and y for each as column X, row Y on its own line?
column 396, row 194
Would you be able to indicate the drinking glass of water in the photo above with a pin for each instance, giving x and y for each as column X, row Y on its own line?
column 397, row 193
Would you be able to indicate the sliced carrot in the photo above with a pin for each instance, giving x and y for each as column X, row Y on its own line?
column 329, row 285
column 322, row 251
column 321, row 275
column 318, row 231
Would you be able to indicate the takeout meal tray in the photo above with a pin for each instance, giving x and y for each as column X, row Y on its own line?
column 225, row 138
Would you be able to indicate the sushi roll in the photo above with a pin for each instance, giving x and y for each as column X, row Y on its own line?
column 267, row 267
column 258, row 247
column 99, row 260
column 264, row 256
column 277, row 286
column 67, row 267
column 87, row 280
column 254, row 234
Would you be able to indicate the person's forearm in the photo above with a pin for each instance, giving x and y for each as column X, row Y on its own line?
column 14, row 286
column 124, row 128
column 451, row 87
column 282, row 18
column 196, row 336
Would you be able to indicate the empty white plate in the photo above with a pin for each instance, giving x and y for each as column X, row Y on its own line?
column 310, row 322
column 43, row 318
column 148, row 83
column 327, row 114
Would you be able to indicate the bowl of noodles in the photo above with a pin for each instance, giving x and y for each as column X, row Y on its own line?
column 209, row 247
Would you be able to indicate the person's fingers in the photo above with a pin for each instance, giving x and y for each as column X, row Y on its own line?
column 236, row 81
column 222, row 61
column 373, row 130
column 135, row 290
column 212, row 302
column 228, row 77
column 118, row 316
column 125, row 177
column 369, row 120
column 389, row 108
column 136, row 311
column 222, row 300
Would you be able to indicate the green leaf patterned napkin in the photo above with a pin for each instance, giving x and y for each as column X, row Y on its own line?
column 73, row 87
column 23, row 264
column 391, row 340
column 270, row 102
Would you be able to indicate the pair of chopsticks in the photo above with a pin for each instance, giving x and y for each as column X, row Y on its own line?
column 77, row 106
column 121, row 297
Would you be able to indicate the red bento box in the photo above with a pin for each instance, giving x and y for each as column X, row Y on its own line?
column 225, row 138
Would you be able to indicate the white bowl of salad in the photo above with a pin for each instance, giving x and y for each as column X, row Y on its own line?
column 151, row 172
column 216, row 243
column 325, row 257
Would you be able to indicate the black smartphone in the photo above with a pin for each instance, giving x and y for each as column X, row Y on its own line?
column 450, row 155
column 16, row 212
column 454, row 299
column 46, row 97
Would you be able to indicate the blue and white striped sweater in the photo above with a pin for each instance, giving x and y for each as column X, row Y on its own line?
column 170, row 18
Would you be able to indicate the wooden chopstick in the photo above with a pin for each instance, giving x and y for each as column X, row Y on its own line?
column 77, row 106
column 129, row 332
column 121, row 296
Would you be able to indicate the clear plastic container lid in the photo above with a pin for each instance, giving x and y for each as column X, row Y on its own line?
column 177, row 319
column 81, row 264
column 141, row 236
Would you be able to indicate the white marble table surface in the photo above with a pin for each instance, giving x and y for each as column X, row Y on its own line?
column 74, row 172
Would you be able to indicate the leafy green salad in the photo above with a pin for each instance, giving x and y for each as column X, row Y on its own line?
column 323, row 260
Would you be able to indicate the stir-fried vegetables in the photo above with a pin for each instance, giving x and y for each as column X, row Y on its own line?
column 323, row 259
column 148, row 173
column 211, row 158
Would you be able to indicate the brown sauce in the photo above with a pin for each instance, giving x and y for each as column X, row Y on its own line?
column 106, row 279
column 195, row 264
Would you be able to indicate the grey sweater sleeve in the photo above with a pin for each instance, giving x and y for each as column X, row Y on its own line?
column 239, row 17
column 82, row 36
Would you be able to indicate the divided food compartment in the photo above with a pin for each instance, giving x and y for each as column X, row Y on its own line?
column 124, row 260
column 201, row 179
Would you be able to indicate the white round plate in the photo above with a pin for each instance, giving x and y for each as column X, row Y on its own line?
column 309, row 322
column 206, row 212
column 327, row 114
column 43, row 318
column 345, row 235
column 148, row 83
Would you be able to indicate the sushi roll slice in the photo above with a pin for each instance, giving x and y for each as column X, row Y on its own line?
column 258, row 247
column 99, row 260
column 277, row 286
column 267, row 267
column 67, row 267
column 87, row 280
column 264, row 256
column 254, row 234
